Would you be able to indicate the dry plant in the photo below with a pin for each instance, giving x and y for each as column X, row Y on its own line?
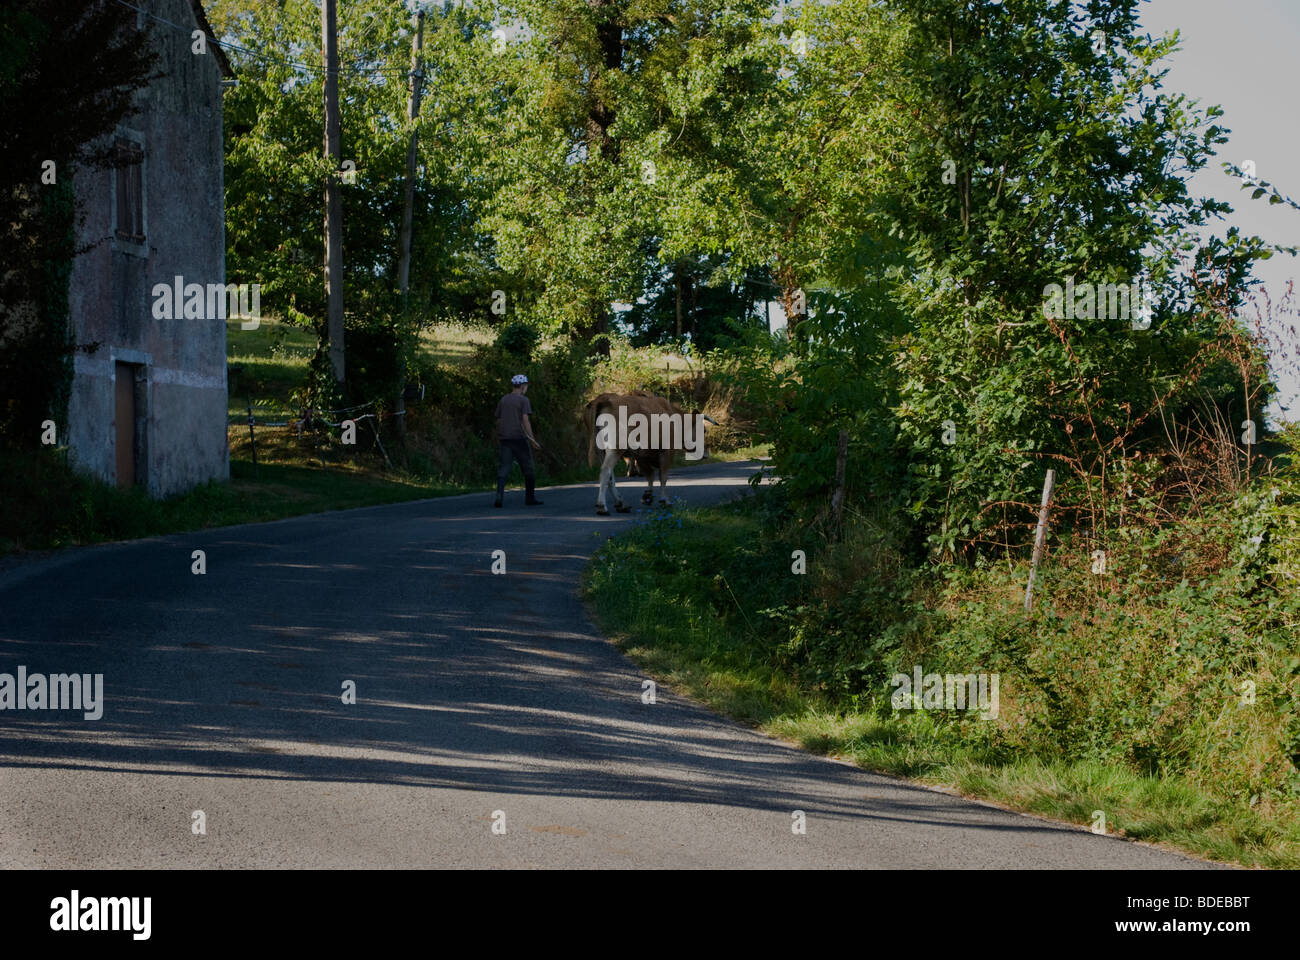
column 1115, row 476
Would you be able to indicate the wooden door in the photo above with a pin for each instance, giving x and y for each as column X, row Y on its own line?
column 124, row 386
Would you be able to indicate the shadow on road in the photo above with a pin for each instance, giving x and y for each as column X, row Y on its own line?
column 464, row 679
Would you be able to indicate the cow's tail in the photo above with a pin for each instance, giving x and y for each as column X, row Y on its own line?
column 590, row 417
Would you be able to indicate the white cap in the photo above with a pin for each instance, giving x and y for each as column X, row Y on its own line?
column 518, row 378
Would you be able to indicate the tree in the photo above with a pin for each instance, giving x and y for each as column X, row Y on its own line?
column 1042, row 153
column 569, row 204
column 686, row 299
column 69, row 70
column 274, row 172
column 781, row 133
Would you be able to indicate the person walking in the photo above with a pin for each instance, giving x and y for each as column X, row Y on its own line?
column 516, row 434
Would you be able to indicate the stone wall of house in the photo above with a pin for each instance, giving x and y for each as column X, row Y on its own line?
column 182, row 362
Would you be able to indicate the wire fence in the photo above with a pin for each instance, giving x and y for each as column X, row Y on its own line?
column 312, row 419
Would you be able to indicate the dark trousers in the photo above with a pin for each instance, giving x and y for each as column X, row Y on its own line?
column 512, row 450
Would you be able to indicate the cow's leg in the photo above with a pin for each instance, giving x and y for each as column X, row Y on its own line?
column 607, row 482
column 648, row 497
column 619, row 505
column 606, row 471
column 663, row 480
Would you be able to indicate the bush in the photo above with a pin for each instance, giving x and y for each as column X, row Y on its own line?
column 1182, row 658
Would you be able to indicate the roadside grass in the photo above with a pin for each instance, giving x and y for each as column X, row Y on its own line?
column 48, row 505
column 274, row 358
column 662, row 593
column 752, row 451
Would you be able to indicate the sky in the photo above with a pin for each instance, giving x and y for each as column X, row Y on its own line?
column 1242, row 56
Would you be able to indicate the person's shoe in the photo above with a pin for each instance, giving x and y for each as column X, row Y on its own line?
column 622, row 508
column 496, row 502
column 533, row 502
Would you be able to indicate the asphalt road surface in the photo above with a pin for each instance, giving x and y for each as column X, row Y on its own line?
column 482, row 700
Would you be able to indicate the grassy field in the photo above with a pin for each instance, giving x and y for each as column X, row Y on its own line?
column 273, row 359
column 688, row 595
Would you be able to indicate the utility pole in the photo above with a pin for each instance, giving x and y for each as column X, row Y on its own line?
column 408, row 201
column 408, row 204
column 333, row 185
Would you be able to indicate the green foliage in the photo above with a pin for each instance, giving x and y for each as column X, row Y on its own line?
column 1166, row 692
column 50, row 505
column 376, row 362
column 68, row 72
column 518, row 339
column 458, row 410
column 275, row 174
column 1010, row 149
column 687, row 302
column 36, row 350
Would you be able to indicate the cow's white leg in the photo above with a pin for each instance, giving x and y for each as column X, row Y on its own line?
column 606, row 478
column 607, row 481
column 663, row 484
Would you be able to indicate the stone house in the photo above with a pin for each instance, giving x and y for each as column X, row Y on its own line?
column 148, row 396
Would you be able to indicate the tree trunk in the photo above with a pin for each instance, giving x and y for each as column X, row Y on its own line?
column 600, row 115
column 408, row 202
column 333, row 186
column 595, row 333
column 678, row 277
column 795, row 312
column 837, row 498
column 690, row 280
column 412, row 156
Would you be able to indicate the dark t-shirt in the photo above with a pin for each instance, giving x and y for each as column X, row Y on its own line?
column 511, row 412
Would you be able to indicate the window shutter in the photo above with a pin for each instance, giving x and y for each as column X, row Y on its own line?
column 130, row 190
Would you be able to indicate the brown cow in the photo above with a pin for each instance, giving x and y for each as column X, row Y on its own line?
column 645, row 431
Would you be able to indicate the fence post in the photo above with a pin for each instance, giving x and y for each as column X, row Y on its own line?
column 252, row 439
column 320, row 444
column 380, row 442
column 1040, row 537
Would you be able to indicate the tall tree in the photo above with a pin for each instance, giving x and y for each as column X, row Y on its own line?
column 275, row 173
column 1043, row 153
column 568, row 202
column 781, row 139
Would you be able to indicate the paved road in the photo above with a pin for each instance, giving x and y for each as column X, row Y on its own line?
column 475, row 693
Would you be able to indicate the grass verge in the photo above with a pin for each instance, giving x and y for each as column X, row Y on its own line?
column 663, row 593
column 48, row 505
